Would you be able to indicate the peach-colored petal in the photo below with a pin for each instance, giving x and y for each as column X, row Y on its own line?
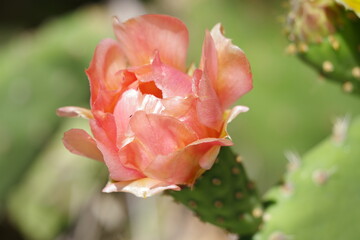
column 81, row 143
column 74, row 112
column 178, row 107
column 161, row 134
column 185, row 165
column 229, row 115
column 185, row 110
column 144, row 187
column 140, row 37
column 234, row 77
column 235, row 111
column 105, row 82
column 208, row 107
column 209, row 58
column 169, row 80
column 153, row 135
column 117, row 170
column 134, row 154
column 105, row 122
column 130, row 102
column 181, row 168
column 208, row 149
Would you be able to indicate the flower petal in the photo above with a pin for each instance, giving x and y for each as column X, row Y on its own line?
column 236, row 111
column 186, row 165
column 104, row 76
column 81, row 143
column 185, row 110
column 230, row 115
column 74, row 112
column 210, row 148
column 130, row 102
column 144, row 187
column 117, row 170
column 234, row 77
column 153, row 135
column 134, row 154
column 209, row 59
column 140, row 37
column 161, row 134
column 169, row 80
column 208, row 107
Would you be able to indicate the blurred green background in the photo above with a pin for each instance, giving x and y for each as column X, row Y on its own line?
column 47, row 193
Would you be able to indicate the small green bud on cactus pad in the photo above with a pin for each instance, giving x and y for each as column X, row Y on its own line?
column 224, row 196
column 319, row 199
column 327, row 37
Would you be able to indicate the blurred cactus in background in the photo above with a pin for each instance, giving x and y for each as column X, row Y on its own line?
column 326, row 36
column 57, row 53
column 317, row 198
column 35, row 70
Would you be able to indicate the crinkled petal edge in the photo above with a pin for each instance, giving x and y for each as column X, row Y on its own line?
column 144, row 187
column 72, row 111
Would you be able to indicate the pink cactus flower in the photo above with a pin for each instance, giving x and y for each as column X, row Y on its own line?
column 155, row 125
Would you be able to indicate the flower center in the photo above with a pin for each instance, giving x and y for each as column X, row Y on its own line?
column 150, row 88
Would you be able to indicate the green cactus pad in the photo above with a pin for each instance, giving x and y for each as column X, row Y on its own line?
column 338, row 58
column 320, row 196
column 330, row 45
column 224, row 196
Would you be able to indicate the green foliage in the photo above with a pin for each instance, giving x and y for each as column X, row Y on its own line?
column 319, row 197
column 39, row 73
column 224, row 196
